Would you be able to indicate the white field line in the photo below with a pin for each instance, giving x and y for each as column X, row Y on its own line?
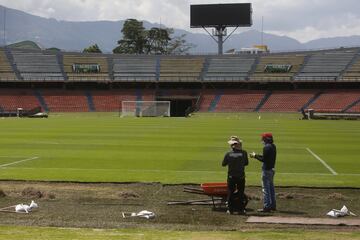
column 20, row 161
column 322, row 161
column 176, row 171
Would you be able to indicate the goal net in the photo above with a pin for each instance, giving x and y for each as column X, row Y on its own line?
column 145, row 108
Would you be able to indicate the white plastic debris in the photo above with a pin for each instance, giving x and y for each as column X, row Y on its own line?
column 23, row 208
column 146, row 214
column 344, row 211
column 33, row 205
column 143, row 214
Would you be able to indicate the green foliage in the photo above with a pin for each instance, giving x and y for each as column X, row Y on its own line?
column 179, row 45
column 137, row 40
column 45, row 233
column 92, row 49
column 134, row 38
column 175, row 150
column 157, row 41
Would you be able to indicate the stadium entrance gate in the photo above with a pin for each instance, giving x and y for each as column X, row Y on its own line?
column 179, row 106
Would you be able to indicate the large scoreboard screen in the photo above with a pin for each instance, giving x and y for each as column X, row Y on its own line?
column 226, row 15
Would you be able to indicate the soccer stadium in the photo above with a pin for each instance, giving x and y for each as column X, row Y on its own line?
column 325, row 81
column 95, row 138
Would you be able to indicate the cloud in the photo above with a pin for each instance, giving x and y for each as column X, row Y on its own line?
column 303, row 19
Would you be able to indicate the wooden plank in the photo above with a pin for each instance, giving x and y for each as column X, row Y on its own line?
column 195, row 202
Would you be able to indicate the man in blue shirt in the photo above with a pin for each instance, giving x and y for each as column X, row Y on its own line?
column 268, row 171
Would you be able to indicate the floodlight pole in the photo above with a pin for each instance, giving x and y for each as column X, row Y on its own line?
column 220, row 32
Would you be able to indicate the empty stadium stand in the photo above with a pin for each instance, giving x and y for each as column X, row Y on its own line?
column 287, row 101
column 181, row 69
column 239, row 101
column 334, row 101
column 11, row 99
column 6, row 71
column 280, row 82
column 222, row 100
column 354, row 109
column 80, row 68
column 353, row 73
column 65, row 101
column 325, row 66
column 110, row 101
column 206, row 100
column 37, row 66
column 277, row 68
column 135, row 69
column 229, row 68
column 313, row 66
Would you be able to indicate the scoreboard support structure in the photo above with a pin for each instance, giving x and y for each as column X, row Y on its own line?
column 219, row 17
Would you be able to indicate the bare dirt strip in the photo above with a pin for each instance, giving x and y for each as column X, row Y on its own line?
column 100, row 205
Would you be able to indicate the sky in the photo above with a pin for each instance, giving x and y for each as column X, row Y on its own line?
column 303, row 20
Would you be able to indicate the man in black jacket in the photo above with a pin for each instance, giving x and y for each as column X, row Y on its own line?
column 268, row 171
column 236, row 160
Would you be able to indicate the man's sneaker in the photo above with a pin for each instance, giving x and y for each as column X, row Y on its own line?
column 264, row 210
column 273, row 209
column 229, row 212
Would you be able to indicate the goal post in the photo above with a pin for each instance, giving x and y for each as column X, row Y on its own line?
column 145, row 109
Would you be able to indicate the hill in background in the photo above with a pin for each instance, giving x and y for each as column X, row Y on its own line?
column 25, row 45
column 75, row 36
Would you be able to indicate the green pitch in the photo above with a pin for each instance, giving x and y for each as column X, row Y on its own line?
column 106, row 148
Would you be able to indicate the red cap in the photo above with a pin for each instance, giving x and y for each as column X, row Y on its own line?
column 266, row 135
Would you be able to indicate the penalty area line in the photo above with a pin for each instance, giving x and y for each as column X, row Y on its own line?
column 175, row 171
column 20, row 161
column 322, row 161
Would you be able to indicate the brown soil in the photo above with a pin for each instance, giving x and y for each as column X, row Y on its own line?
column 337, row 196
column 2, row 193
column 286, row 195
column 31, row 192
column 101, row 205
column 128, row 194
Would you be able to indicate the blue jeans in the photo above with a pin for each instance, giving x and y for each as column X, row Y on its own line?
column 268, row 189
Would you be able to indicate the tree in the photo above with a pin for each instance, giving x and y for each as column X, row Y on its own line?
column 134, row 38
column 92, row 49
column 179, row 45
column 157, row 40
column 137, row 40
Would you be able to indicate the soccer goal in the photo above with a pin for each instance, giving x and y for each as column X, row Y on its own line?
column 145, row 109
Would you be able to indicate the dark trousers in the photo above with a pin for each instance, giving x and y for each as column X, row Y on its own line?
column 236, row 188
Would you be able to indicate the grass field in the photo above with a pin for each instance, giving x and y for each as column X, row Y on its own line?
column 28, row 233
column 105, row 148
